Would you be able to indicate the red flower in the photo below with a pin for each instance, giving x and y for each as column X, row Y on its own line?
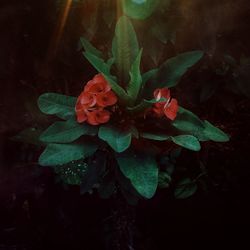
column 106, row 99
column 97, row 85
column 171, row 109
column 81, row 116
column 162, row 93
column 168, row 108
column 98, row 116
column 97, row 95
column 87, row 99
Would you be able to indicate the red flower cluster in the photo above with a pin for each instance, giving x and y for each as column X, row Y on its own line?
column 168, row 108
column 91, row 104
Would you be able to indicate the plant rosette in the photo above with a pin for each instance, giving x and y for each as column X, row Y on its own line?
column 121, row 124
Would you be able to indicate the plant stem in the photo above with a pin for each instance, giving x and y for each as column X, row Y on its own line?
column 123, row 224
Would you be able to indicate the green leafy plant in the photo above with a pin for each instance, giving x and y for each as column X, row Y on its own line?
column 122, row 121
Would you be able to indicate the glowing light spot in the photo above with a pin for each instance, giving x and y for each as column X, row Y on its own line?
column 139, row 1
column 59, row 28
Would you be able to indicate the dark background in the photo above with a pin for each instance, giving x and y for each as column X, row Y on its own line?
column 37, row 213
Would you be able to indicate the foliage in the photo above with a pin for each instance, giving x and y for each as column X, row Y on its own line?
column 115, row 151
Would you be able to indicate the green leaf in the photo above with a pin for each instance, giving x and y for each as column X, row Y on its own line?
column 56, row 104
column 127, row 189
column 98, row 63
column 214, row 134
column 90, row 48
column 104, row 68
column 148, row 75
column 141, row 170
column 135, row 83
column 110, row 62
column 118, row 139
column 155, row 137
column 65, row 132
column 187, row 141
column 188, row 122
column 125, row 47
column 164, row 179
column 58, row 154
column 172, row 70
column 185, row 188
column 140, row 9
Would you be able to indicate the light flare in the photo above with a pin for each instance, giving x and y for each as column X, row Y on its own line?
column 59, row 28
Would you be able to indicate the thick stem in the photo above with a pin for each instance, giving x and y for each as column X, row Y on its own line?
column 123, row 224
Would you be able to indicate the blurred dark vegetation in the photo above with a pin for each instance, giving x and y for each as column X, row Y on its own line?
column 36, row 212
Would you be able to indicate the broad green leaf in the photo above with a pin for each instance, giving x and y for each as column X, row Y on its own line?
column 214, row 134
column 135, row 83
column 145, row 77
column 90, row 48
column 110, row 62
column 148, row 75
column 56, row 104
column 188, row 122
column 104, row 68
column 141, row 170
column 155, row 136
column 187, row 141
column 59, row 154
column 125, row 47
column 98, row 63
column 118, row 139
column 185, row 188
column 172, row 70
column 65, row 132
column 127, row 189
column 140, row 9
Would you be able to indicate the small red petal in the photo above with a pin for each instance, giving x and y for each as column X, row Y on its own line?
column 81, row 116
column 87, row 99
column 91, row 119
column 99, row 78
column 171, row 109
column 102, row 116
column 158, row 112
column 106, row 99
column 162, row 93
column 89, row 85
column 165, row 93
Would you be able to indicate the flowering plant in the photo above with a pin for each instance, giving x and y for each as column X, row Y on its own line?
column 123, row 122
